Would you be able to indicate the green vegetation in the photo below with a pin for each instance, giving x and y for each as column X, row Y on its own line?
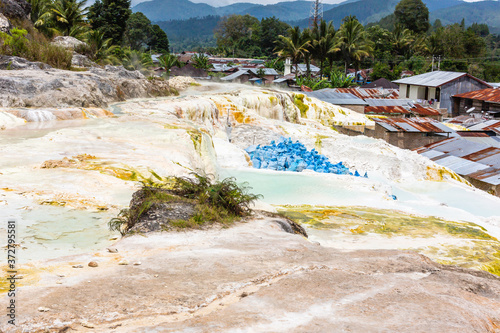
column 113, row 35
column 214, row 201
column 37, row 48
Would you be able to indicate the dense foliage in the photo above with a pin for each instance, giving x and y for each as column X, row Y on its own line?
column 112, row 34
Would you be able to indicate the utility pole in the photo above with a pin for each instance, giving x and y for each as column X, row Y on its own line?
column 432, row 70
column 316, row 13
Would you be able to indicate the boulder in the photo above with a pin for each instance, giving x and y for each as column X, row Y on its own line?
column 12, row 62
column 15, row 9
column 68, row 42
column 5, row 25
column 80, row 60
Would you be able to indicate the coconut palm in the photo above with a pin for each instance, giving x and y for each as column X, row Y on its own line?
column 352, row 42
column 293, row 47
column 167, row 61
column 323, row 41
column 69, row 16
column 101, row 49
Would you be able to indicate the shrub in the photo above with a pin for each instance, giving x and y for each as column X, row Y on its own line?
column 35, row 48
column 214, row 201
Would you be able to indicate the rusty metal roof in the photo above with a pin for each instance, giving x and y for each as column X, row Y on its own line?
column 370, row 92
column 490, row 125
column 424, row 110
column 475, row 160
column 424, row 125
column 488, row 95
column 386, row 110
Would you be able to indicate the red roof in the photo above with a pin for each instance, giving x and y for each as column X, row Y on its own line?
column 425, row 111
column 386, row 110
column 488, row 94
column 370, row 92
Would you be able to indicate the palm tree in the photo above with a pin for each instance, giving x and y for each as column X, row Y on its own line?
column 352, row 42
column 137, row 60
column 401, row 39
column 323, row 39
column 68, row 15
column 294, row 47
column 101, row 49
column 201, row 61
column 167, row 61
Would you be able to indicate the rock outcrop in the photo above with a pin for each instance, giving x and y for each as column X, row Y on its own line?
column 38, row 85
column 67, row 42
column 5, row 24
column 253, row 277
column 15, row 9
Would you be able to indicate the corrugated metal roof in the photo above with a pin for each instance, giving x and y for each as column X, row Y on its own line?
column 267, row 71
column 424, row 125
column 490, row 125
column 475, row 160
column 424, row 110
column 493, row 141
column 388, row 102
column 330, row 96
column 434, row 79
column 386, row 110
column 460, row 165
column 490, row 176
column 488, row 94
column 372, row 93
column 235, row 75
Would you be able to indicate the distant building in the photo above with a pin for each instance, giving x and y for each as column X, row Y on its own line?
column 409, row 133
column 437, row 88
column 477, row 162
column 486, row 101
column 381, row 83
column 346, row 100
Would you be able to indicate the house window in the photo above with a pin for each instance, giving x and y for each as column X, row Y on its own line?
column 407, row 91
column 438, row 94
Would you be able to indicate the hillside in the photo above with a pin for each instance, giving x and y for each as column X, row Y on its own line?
column 187, row 34
column 483, row 12
column 285, row 11
column 165, row 10
column 373, row 10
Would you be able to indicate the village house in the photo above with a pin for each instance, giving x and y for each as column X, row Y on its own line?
column 437, row 88
column 346, row 100
column 485, row 101
column 477, row 162
column 409, row 133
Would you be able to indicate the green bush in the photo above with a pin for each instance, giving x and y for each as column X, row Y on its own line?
column 32, row 49
column 214, row 201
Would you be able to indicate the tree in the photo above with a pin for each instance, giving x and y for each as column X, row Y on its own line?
column 111, row 17
column 138, row 31
column 69, row 16
column 159, row 40
column 236, row 31
column 200, row 61
column 270, row 28
column 323, row 39
column 294, row 46
column 352, row 42
column 413, row 15
column 167, row 61
column 100, row 49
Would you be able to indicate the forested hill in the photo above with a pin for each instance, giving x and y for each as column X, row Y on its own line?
column 487, row 12
column 367, row 11
column 165, row 10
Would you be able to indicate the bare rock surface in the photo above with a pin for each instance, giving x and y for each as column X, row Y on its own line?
column 97, row 87
column 253, row 277
column 15, row 9
column 5, row 24
column 67, row 42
